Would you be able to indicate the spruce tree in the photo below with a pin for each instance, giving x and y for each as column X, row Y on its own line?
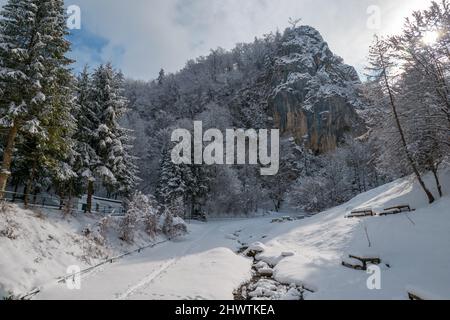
column 171, row 185
column 114, row 165
column 35, row 81
column 87, row 159
column 127, row 173
column 198, row 181
column 161, row 76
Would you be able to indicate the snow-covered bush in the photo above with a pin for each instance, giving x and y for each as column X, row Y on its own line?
column 103, row 226
column 8, row 227
column 6, row 207
column 9, row 230
column 309, row 194
column 151, row 211
column 170, row 222
column 179, row 227
column 94, row 234
column 142, row 209
column 93, row 247
column 172, row 226
column 128, row 225
column 166, row 223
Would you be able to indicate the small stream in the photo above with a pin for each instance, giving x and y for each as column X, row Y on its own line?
column 262, row 285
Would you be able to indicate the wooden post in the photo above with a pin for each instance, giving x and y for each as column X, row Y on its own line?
column 90, row 193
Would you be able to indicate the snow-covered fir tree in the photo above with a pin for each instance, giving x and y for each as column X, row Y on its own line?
column 36, row 85
column 172, row 181
column 20, row 76
column 110, row 142
column 86, row 160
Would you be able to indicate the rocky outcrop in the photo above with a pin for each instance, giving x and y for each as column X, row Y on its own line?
column 316, row 95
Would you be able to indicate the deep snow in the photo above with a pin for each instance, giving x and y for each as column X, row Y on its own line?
column 414, row 249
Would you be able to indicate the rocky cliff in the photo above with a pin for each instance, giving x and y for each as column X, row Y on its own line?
column 316, row 95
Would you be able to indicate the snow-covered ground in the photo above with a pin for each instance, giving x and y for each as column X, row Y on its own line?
column 36, row 247
column 415, row 246
column 414, row 249
column 200, row 266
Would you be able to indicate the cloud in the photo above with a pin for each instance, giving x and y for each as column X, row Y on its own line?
column 142, row 36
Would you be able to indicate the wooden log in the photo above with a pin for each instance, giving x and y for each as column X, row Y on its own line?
column 368, row 211
column 390, row 213
column 354, row 266
column 401, row 208
column 361, row 214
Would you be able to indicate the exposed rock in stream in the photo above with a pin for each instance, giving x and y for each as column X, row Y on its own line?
column 263, row 286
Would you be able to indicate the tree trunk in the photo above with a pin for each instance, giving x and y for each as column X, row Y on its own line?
column 35, row 192
column 29, row 185
column 430, row 196
column 68, row 206
column 7, row 158
column 277, row 205
column 16, row 188
column 61, row 200
column 438, row 182
column 90, row 193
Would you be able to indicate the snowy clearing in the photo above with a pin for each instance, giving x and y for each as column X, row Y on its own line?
column 414, row 249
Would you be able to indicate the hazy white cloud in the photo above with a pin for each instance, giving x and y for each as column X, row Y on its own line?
column 144, row 35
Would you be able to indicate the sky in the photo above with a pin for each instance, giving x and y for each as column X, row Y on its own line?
column 142, row 36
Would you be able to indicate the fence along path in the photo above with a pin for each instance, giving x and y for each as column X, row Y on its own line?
column 55, row 202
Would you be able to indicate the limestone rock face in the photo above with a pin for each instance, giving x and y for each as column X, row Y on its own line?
column 316, row 95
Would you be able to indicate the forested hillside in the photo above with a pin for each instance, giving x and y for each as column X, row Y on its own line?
column 96, row 133
column 291, row 81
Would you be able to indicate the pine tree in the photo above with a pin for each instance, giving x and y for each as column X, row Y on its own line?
column 161, row 76
column 35, row 81
column 115, row 167
column 127, row 169
column 19, row 57
column 172, row 180
column 56, row 150
column 87, row 120
column 86, row 159
column 198, row 183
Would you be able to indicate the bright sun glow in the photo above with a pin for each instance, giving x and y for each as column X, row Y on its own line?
column 430, row 37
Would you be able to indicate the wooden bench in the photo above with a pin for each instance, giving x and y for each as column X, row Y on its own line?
column 396, row 210
column 361, row 213
column 364, row 261
column 354, row 266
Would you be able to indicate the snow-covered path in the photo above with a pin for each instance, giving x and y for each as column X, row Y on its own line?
column 165, row 272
